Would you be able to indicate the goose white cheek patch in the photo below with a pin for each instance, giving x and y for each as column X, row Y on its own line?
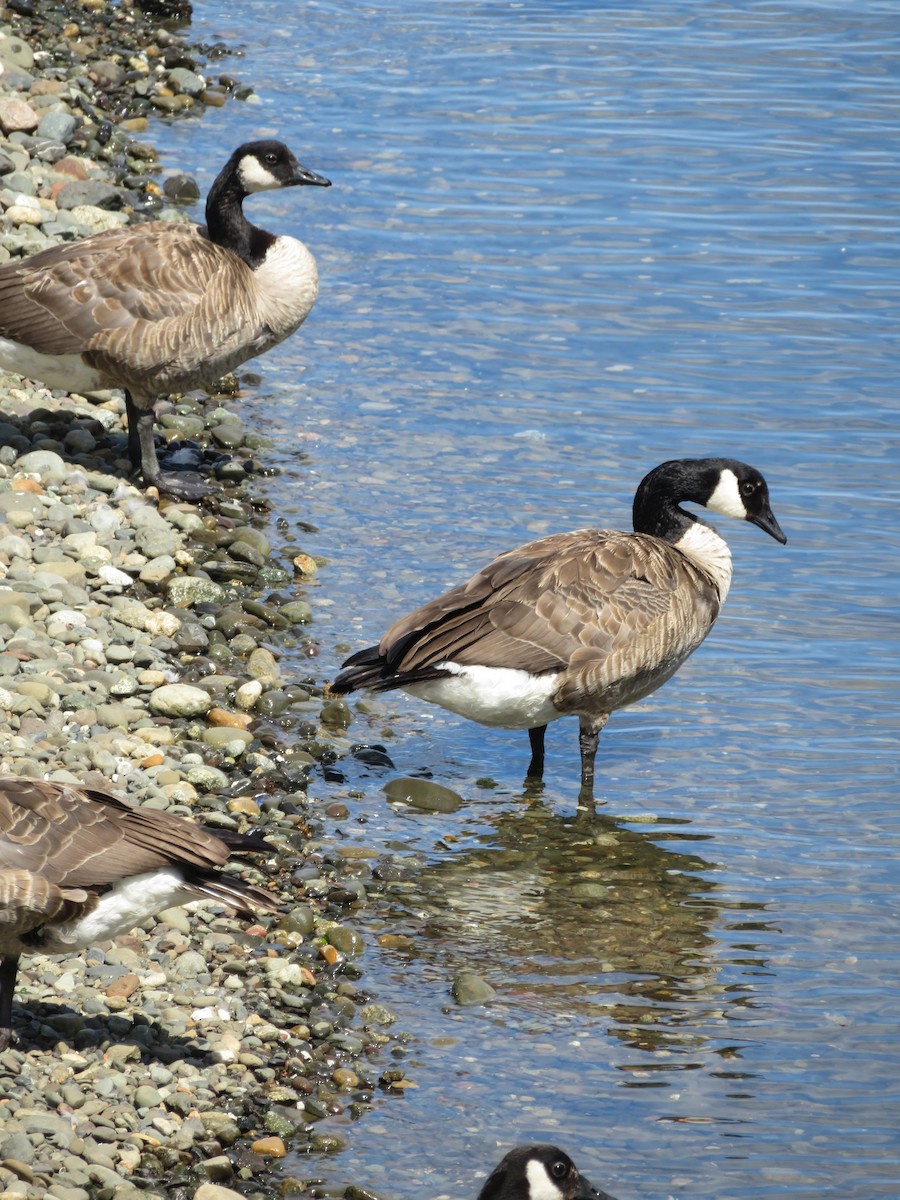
column 254, row 175
column 726, row 499
column 540, row 1185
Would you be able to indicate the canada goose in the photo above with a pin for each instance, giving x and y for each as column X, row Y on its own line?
column 538, row 1173
column 79, row 866
column 582, row 622
column 164, row 306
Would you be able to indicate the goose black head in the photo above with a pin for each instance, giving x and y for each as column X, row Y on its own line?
column 539, row 1172
column 723, row 485
column 265, row 165
column 740, row 491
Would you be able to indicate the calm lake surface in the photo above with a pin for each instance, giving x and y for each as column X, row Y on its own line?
column 565, row 242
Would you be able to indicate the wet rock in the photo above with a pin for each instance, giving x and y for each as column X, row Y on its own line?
column 469, row 988
column 347, row 941
column 423, row 794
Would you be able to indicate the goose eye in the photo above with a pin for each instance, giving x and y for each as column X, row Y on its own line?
column 747, row 489
column 559, row 1170
column 272, row 159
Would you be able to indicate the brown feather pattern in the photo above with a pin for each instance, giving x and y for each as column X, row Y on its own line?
column 139, row 304
column 61, row 846
column 602, row 608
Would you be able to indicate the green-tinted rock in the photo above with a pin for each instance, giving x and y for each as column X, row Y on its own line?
column 348, row 941
column 337, row 714
column 186, row 590
column 422, row 793
column 469, row 988
column 298, row 612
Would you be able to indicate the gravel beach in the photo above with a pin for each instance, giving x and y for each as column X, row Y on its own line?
column 140, row 646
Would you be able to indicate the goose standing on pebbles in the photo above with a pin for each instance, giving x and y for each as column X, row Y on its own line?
column 581, row 623
column 79, row 866
column 164, row 306
column 538, row 1173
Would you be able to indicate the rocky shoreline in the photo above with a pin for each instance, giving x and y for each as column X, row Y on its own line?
column 139, row 649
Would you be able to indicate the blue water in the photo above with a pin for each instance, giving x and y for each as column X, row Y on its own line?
column 567, row 241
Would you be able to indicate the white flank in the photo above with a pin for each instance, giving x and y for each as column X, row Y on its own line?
column 500, row 696
column 65, row 371
column 726, row 499
column 119, row 910
column 287, row 282
column 540, row 1185
column 702, row 545
column 255, row 177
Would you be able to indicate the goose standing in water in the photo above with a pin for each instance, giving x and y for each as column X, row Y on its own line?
column 79, row 866
column 581, row 623
column 164, row 306
column 538, row 1172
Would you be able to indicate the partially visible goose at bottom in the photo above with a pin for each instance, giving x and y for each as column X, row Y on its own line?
column 538, row 1172
column 576, row 623
column 164, row 306
column 79, row 866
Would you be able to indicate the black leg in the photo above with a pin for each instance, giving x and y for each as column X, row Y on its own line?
column 536, row 766
column 8, row 969
column 142, row 452
column 141, row 447
column 588, row 734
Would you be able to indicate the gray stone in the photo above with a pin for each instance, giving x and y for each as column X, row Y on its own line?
column 232, row 742
column 207, row 779
column 50, row 467
column 180, row 700
column 58, row 127
column 298, row 612
column 188, row 82
column 186, row 590
column 90, row 192
column 146, row 1096
column 15, row 52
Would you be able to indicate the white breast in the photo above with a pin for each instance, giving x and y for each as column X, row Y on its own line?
column 702, row 545
column 499, row 696
column 119, row 910
column 287, row 284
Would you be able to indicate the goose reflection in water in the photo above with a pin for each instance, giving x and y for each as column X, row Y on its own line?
column 580, row 917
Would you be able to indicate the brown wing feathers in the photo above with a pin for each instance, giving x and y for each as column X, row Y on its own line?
column 106, row 296
column 587, row 593
column 82, row 838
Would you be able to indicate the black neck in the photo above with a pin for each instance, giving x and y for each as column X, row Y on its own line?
column 227, row 226
column 656, row 503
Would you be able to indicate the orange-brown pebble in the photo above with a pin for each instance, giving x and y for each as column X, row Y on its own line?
column 153, row 760
column 269, row 1147
column 125, row 985
column 27, row 485
column 330, row 954
column 232, row 720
